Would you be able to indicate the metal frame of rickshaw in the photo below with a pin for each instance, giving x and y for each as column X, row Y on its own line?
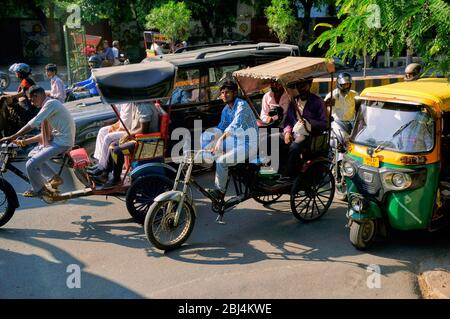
column 243, row 176
column 9, row 151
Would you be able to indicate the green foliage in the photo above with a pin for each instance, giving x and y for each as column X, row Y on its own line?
column 280, row 18
column 171, row 19
column 214, row 15
column 421, row 25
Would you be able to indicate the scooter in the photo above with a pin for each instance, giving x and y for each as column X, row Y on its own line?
column 338, row 149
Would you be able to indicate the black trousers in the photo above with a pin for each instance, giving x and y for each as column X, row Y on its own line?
column 116, row 157
column 293, row 158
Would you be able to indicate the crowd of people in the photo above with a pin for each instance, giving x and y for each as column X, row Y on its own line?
column 298, row 118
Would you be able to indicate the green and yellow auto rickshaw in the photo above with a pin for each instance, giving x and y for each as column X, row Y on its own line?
column 397, row 166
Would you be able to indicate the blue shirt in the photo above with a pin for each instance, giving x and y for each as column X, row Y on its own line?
column 89, row 84
column 237, row 120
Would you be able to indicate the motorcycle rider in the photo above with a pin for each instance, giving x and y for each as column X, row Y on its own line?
column 412, row 72
column 89, row 84
column 18, row 110
column 342, row 105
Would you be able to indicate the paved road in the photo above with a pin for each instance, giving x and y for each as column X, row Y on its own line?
column 262, row 252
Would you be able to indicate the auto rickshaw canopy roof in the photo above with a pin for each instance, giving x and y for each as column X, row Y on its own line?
column 434, row 92
column 135, row 82
column 286, row 71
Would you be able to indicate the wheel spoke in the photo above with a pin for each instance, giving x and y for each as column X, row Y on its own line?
column 307, row 207
column 318, row 198
column 305, row 198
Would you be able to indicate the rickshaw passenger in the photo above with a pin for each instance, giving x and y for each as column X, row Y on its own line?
column 314, row 116
column 275, row 97
column 52, row 115
column 144, row 120
column 238, row 118
column 107, row 135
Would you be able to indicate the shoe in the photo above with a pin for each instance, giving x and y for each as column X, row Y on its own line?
column 95, row 171
column 56, row 181
column 111, row 183
column 101, row 179
column 215, row 193
column 89, row 168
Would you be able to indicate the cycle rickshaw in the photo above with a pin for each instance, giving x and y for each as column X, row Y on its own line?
column 170, row 219
column 145, row 173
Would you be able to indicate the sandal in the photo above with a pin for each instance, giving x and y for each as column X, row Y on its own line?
column 30, row 193
column 43, row 191
column 56, row 181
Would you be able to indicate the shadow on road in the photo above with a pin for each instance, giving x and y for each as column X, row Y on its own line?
column 122, row 232
column 32, row 276
column 253, row 235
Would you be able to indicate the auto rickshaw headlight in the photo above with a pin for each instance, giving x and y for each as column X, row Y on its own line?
column 357, row 204
column 348, row 169
column 396, row 180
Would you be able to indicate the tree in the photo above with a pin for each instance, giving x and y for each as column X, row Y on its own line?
column 280, row 18
column 369, row 27
column 214, row 16
column 172, row 19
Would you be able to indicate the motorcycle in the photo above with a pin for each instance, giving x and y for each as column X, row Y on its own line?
column 4, row 81
column 338, row 148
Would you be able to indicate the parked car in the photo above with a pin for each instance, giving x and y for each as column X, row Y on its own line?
column 196, row 94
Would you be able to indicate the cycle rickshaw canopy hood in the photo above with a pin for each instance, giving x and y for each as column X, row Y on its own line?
column 135, row 82
column 287, row 71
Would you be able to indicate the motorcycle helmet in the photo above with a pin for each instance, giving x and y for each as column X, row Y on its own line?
column 412, row 71
column 343, row 78
column 22, row 68
column 96, row 60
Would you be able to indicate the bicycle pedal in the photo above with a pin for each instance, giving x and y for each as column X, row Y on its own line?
column 219, row 220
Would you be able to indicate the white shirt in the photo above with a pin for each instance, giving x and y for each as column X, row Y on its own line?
column 344, row 106
column 57, row 90
column 60, row 120
column 126, row 111
column 157, row 49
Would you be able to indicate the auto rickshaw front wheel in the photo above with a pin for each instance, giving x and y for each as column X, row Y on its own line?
column 362, row 234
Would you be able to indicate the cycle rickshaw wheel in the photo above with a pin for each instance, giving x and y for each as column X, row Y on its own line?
column 159, row 224
column 312, row 193
column 7, row 206
column 267, row 199
column 142, row 192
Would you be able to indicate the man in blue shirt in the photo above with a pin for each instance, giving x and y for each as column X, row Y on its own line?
column 238, row 140
column 88, row 84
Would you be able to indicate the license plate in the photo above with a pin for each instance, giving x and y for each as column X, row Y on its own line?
column 372, row 161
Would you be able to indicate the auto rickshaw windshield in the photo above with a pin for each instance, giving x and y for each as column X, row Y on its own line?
column 398, row 127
